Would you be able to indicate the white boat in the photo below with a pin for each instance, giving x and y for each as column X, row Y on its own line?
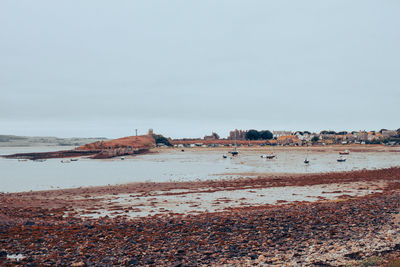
column 341, row 159
column 65, row 161
column 346, row 152
column 306, row 161
column 224, row 156
column 122, row 158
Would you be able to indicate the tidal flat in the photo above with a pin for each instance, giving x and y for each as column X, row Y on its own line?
column 250, row 218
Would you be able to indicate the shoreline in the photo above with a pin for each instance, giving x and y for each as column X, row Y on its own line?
column 62, row 227
column 230, row 169
column 262, row 181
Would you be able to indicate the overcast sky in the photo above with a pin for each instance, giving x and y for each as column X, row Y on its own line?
column 186, row 68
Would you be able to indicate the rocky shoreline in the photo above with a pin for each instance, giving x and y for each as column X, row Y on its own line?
column 37, row 226
column 125, row 146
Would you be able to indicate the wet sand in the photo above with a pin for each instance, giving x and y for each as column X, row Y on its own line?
column 331, row 219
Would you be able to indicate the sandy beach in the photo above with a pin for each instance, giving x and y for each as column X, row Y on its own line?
column 327, row 219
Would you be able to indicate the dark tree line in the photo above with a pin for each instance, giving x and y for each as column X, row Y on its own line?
column 258, row 135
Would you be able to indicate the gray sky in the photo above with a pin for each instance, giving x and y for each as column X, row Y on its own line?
column 185, row 68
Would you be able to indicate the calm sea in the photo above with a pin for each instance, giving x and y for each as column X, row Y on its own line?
column 171, row 165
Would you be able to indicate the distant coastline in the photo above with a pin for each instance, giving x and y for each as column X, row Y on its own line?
column 32, row 141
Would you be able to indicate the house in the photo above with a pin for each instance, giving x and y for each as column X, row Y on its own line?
column 340, row 137
column 350, row 137
column 362, row 136
column 271, row 142
column 237, row 135
column 326, row 136
column 278, row 134
column 213, row 136
column 388, row 134
column 289, row 140
column 161, row 145
column 304, row 136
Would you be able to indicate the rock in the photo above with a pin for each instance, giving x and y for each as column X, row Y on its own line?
column 78, row 264
column 261, row 259
column 132, row 261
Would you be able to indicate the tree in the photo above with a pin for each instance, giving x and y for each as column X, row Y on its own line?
column 216, row 136
column 328, row 132
column 266, row 135
column 252, row 135
column 161, row 140
column 315, row 139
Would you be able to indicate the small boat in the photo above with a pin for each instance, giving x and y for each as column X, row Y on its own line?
column 39, row 160
column 271, row 156
column 22, row 160
column 183, row 150
column 341, row 159
column 74, row 159
column 235, row 152
column 346, row 152
column 306, row 161
column 224, row 156
column 122, row 158
column 65, row 161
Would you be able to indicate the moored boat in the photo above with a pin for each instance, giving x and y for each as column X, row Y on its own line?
column 234, row 153
column 346, row 152
column 341, row 159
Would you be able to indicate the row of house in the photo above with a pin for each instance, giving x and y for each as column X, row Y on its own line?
column 300, row 138
column 306, row 138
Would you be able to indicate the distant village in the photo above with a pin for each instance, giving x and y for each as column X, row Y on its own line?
column 298, row 138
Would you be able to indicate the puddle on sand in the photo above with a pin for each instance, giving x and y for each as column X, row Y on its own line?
column 15, row 257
